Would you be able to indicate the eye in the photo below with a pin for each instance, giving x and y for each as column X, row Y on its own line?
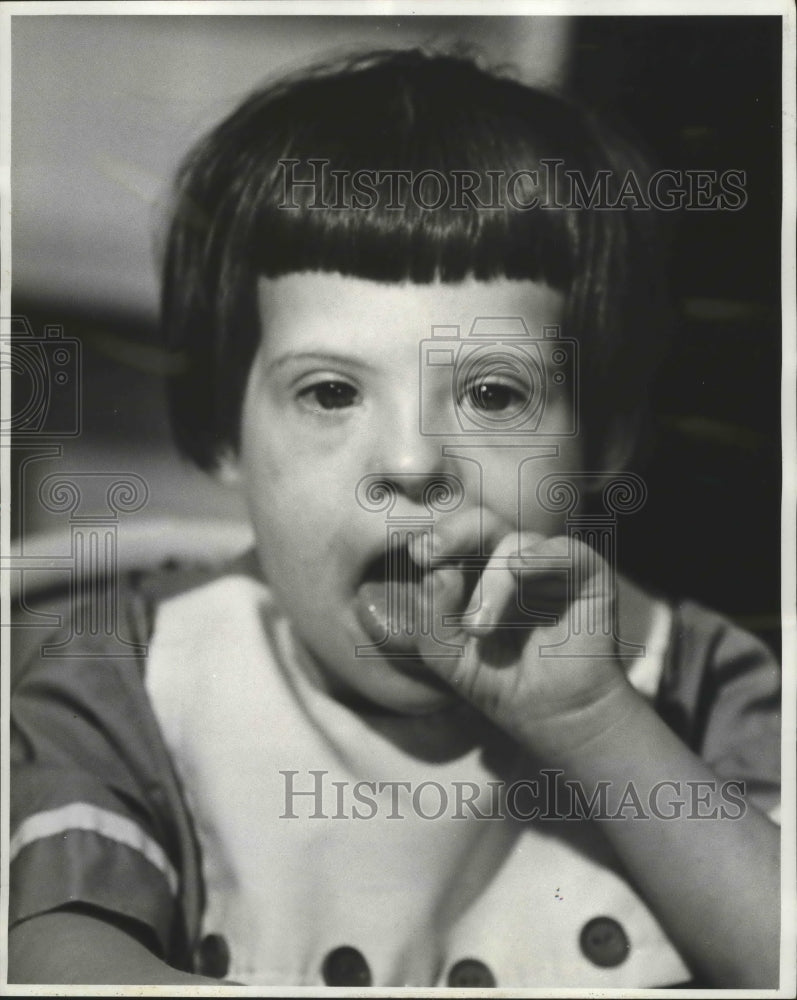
column 492, row 396
column 328, row 395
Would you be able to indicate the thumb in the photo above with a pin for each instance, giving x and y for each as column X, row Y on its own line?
column 442, row 642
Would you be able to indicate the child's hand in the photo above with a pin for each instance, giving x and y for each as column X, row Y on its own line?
column 580, row 713
column 553, row 705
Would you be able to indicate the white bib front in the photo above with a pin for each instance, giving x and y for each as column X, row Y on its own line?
column 303, row 853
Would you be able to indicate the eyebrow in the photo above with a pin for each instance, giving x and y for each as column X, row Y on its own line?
column 323, row 357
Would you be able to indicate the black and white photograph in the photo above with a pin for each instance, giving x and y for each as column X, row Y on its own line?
column 398, row 499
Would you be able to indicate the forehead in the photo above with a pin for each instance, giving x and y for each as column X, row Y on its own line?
column 307, row 308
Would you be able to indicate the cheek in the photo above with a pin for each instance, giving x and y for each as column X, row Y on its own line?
column 289, row 449
column 511, row 485
column 277, row 474
column 547, row 487
column 299, row 507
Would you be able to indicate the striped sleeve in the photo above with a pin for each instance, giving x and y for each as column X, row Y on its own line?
column 722, row 693
column 92, row 799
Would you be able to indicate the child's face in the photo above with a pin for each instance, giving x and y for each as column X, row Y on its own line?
column 340, row 389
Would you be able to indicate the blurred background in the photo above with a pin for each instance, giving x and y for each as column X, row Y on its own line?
column 104, row 107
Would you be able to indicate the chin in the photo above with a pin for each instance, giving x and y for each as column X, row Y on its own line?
column 400, row 684
column 409, row 693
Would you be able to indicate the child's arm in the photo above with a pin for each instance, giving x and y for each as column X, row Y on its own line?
column 68, row 947
column 713, row 884
column 95, row 821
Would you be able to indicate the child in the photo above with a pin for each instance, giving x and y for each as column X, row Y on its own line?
column 421, row 735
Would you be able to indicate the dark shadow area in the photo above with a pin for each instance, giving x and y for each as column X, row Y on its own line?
column 705, row 93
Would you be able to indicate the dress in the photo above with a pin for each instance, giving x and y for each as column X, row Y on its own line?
column 259, row 829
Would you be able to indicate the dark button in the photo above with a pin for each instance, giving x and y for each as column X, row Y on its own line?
column 345, row 966
column 470, row 972
column 214, row 957
column 604, row 942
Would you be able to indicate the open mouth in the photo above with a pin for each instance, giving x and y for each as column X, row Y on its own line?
column 394, row 598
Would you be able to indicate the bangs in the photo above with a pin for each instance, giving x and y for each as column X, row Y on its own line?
column 414, row 242
column 406, row 170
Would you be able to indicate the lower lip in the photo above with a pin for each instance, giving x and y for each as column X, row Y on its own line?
column 393, row 616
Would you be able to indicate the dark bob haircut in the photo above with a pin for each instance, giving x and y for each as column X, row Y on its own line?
column 234, row 219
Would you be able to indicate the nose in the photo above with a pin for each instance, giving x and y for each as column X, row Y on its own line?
column 405, row 458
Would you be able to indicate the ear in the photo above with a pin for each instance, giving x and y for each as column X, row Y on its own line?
column 227, row 472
